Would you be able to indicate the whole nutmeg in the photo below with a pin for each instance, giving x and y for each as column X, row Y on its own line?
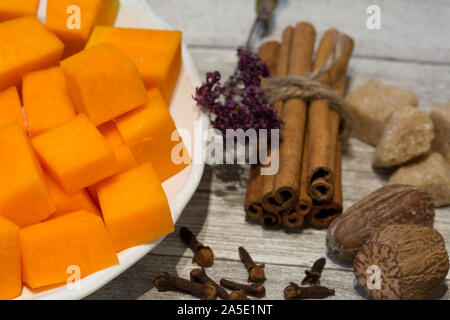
column 402, row 262
column 391, row 204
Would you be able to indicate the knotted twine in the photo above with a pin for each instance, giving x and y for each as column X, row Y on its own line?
column 308, row 88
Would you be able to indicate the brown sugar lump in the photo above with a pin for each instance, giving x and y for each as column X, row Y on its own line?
column 373, row 105
column 440, row 115
column 430, row 173
column 408, row 134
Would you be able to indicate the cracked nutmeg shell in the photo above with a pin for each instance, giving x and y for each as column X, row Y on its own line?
column 402, row 262
column 392, row 204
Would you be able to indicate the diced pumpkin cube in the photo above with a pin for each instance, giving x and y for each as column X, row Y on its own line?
column 103, row 83
column 11, row 108
column 156, row 53
column 10, row 270
column 25, row 46
column 122, row 152
column 135, row 207
column 75, row 154
column 93, row 192
column 46, row 100
column 24, row 198
column 67, row 203
column 12, row 9
column 90, row 13
column 148, row 130
column 76, row 239
column 108, row 13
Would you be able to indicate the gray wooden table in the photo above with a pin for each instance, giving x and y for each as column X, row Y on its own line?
column 412, row 50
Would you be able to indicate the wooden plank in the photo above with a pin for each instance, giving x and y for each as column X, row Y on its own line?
column 137, row 283
column 217, row 216
column 429, row 82
column 411, row 30
column 216, row 210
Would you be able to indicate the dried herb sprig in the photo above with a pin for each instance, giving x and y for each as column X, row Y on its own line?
column 264, row 12
column 240, row 102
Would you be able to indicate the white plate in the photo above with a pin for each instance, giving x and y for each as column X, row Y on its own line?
column 180, row 188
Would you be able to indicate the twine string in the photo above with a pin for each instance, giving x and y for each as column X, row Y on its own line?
column 308, row 88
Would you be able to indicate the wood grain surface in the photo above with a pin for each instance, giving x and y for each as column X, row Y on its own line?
column 411, row 51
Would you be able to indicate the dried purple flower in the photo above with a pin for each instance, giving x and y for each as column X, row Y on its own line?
column 240, row 103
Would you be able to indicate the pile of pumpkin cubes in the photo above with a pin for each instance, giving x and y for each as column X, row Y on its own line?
column 85, row 140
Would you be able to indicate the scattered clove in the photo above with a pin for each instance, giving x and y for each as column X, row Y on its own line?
column 255, row 272
column 166, row 282
column 203, row 256
column 313, row 276
column 294, row 292
column 199, row 275
column 257, row 289
column 238, row 295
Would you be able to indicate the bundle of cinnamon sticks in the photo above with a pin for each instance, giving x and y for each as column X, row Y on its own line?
column 307, row 186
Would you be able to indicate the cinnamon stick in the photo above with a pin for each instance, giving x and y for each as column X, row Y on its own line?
column 295, row 217
column 324, row 122
column 323, row 214
column 271, row 219
column 281, row 190
column 268, row 52
column 270, row 200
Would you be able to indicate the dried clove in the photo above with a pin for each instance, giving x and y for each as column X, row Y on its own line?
column 294, row 292
column 199, row 275
column 238, row 295
column 203, row 255
column 257, row 289
column 166, row 282
column 313, row 276
column 255, row 272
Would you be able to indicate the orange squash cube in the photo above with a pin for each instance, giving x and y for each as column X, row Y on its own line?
column 25, row 46
column 60, row 15
column 67, row 203
column 123, row 154
column 51, row 248
column 148, row 130
column 135, row 207
column 24, row 198
column 103, row 83
column 156, row 53
column 75, row 154
column 10, row 270
column 46, row 100
column 12, row 9
column 11, row 108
